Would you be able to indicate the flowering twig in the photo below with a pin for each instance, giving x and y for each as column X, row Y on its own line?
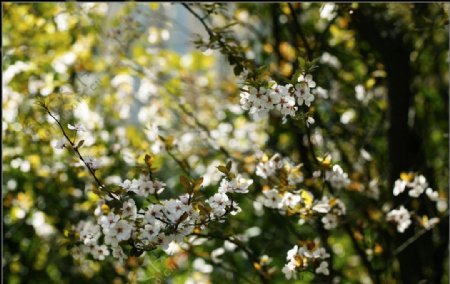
column 414, row 238
column 238, row 243
column 75, row 149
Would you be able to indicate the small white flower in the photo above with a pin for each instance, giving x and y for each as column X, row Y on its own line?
column 290, row 200
column 310, row 121
column 174, row 209
column 76, row 127
column 321, row 207
column 323, row 268
column 418, row 185
column 218, row 203
column 159, row 186
column 307, row 98
column 321, row 253
column 109, row 220
column 150, row 231
column 122, row 230
column 272, row 198
column 337, row 177
column 307, row 79
column 225, row 186
column 61, row 143
column 89, row 232
column 146, row 188
column 329, row 221
column 100, row 252
column 245, row 102
column 92, row 163
column 292, row 252
column 215, row 254
column 432, row 195
column 266, row 169
column 129, row 209
column 200, row 264
column 240, row 184
column 289, row 271
column 428, row 224
column 117, row 252
column 401, row 217
column 126, row 184
column 153, row 212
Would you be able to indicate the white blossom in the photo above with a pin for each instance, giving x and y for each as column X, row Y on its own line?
column 418, row 186
column 290, row 200
column 329, row 221
column 337, row 177
column 76, row 127
column 100, row 252
column 272, row 198
column 92, row 163
column 432, row 195
column 310, row 121
column 240, row 184
column 174, row 209
column 428, row 224
column 200, row 264
column 268, row 168
column 321, row 207
column 61, row 143
column 218, row 203
column 150, row 231
column 129, row 209
column 215, row 255
column 401, row 217
column 108, row 221
column 323, row 268
column 122, row 230
column 289, row 271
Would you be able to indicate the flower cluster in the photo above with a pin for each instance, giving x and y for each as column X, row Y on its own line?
column 337, row 177
column 221, row 203
column 286, row 198
column 143, row 186
column 308, row 255
column 284, row 98
column 416, row 185
column 401, row 217
column 119, row 230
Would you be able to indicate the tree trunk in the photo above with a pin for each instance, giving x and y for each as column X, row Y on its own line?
column 405, row 146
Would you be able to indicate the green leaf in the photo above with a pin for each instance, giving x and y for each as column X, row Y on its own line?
column 148, row 161
column 229, row 165
column 197, row 184
column 301, row 63
column 80, row 144
column 223, row 169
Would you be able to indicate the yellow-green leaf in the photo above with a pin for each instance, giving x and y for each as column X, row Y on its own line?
column 185, row 183
column 198, row 183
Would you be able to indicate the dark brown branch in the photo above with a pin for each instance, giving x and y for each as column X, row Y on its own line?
column 299, row 31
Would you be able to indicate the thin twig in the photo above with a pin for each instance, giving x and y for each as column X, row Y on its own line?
column 238, row 243
column 75, row 149
column 411, row 240
column 202, row 20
